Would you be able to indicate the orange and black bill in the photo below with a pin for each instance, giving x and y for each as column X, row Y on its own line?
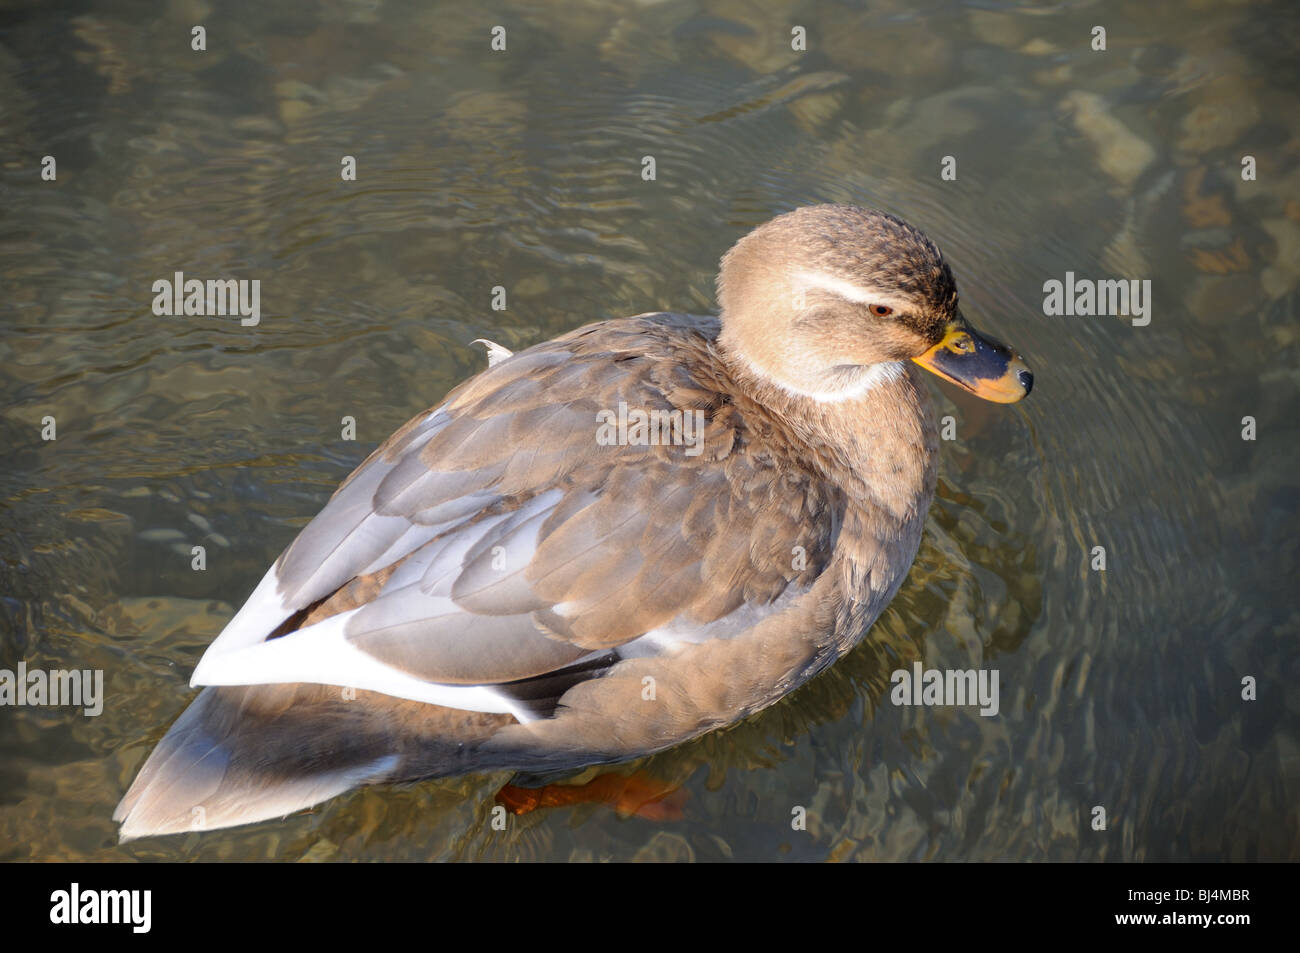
column 984, row 367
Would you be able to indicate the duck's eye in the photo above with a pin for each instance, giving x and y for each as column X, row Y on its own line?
column 881, row 310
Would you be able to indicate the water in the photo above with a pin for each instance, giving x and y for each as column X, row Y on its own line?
column 1120, row 689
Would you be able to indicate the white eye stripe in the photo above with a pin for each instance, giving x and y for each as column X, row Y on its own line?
column 845, row 289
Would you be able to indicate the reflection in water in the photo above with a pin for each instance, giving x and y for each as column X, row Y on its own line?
column 1119, row 688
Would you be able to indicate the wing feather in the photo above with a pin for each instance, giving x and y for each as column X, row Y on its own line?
column 510, row 555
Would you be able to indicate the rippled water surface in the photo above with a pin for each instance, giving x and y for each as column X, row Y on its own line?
column 523, row 169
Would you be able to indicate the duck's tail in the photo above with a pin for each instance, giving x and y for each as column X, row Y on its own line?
column 250, row 753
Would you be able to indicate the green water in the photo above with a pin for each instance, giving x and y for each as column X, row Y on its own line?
column 523, row 169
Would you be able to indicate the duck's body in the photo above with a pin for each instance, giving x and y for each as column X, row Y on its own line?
column 499, row 586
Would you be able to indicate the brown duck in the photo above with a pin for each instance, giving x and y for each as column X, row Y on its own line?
column 601, row 546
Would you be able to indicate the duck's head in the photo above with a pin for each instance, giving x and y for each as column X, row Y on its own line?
column 826, row 301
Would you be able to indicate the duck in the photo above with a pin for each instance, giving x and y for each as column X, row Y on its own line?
column 600, row 547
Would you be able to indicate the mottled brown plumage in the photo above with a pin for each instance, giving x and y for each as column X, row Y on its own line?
column 497, row 588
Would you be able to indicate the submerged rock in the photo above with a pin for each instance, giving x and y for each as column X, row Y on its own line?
column 1121, row 153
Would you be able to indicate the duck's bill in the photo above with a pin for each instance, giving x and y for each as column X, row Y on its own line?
column 982, row 366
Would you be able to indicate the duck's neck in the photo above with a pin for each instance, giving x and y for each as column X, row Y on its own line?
column 869, row 430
